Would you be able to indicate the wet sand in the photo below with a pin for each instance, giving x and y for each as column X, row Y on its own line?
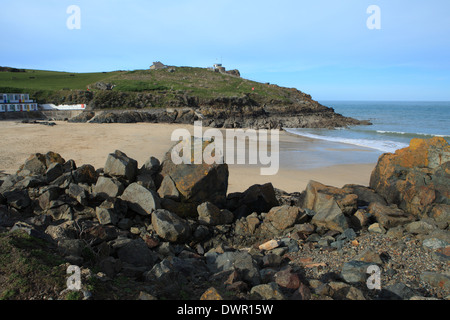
column 301, row 159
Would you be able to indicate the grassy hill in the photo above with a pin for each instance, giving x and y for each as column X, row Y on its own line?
column 50, row 80
column 197, row 82
column 221, row 99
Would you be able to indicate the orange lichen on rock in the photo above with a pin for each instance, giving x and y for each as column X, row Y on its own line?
column 416, row 177
column 422, row 153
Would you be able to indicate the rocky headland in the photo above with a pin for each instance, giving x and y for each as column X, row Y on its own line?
column 221, row 112
column 165, row 231
column 174, row 95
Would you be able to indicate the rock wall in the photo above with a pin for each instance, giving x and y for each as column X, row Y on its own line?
column 60, row 114
column 32, row 115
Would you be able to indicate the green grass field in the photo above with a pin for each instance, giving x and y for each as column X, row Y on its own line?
column 198, row 82
column 50, row 80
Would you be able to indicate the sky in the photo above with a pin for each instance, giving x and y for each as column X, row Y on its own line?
column 323, row 47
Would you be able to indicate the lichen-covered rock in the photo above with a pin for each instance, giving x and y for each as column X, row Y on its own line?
column 38, row 163
column 211, row 294
column 85, row 174
column 415, row 178
column 269, row 291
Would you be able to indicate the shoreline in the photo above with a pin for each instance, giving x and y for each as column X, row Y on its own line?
column 301, row 159
column 294, row 180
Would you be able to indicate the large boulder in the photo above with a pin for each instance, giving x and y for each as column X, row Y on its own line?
column 268, row 291
column 170, row 227
column 54, row 171
column 37, row 164
column 140, row 199
column 174, row 274
column 137, row 253
column 318, row 194
column 441, row 213
column 415, row 178
column 332, row 206
column 210, row 214
column 151, row 166
column 18, row 199
column 257, row 198
column 118, row 164
column 329, row 215
column 79, row 193
column 389, row 216
column 110, row 211
column 284, row 217
column 365, row 195
column 168, row 189
column 85, row 174
column 195, row 183
column 108, row 188
column 240, row 261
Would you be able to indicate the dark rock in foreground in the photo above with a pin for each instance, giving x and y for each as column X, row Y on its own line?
column 174, row 233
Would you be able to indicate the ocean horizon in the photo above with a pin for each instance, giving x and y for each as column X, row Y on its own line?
column 394, row 124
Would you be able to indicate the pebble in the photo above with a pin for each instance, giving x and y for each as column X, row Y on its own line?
column 376, row 228
column 401, row 260
column 269, row 245
column 434, row 243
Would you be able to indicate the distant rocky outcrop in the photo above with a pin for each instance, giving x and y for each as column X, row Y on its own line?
column 103, row 86
column 9, row 69
column 244, row 111
column 231, row 117
column 174, row 232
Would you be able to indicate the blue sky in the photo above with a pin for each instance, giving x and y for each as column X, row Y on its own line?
column 321, row 47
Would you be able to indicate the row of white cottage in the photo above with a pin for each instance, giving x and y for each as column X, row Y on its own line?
column 16, row 102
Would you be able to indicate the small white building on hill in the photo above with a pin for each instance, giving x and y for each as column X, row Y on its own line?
column 158, row 66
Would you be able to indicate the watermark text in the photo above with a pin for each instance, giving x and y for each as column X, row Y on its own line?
column 74, row 20
column 234, row 146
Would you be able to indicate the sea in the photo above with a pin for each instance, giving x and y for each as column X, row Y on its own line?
column 394, row 124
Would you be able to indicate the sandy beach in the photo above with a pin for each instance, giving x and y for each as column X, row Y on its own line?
column 301, row 159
